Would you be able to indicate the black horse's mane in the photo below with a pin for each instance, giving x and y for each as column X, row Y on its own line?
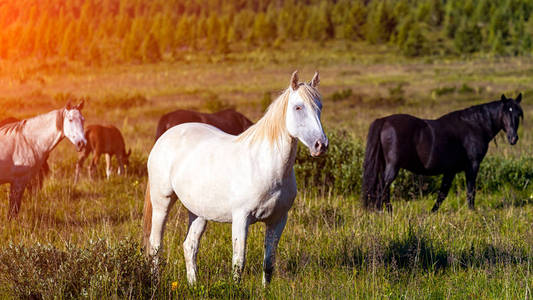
column 480, row 112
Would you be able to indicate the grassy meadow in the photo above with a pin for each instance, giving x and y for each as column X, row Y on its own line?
column 84, row 241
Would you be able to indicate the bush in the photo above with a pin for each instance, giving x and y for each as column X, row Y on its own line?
column 121, row 101
column 44, row 271
column 466, row 89
column 341, row 95
column 444, row 90
column 214, row 104
column 339, row 171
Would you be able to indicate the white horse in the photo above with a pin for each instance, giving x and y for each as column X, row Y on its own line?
column 234, row 179
column 26, row 144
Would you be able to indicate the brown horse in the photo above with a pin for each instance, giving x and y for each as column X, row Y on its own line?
column 228, row 120
column 37, row 182
column 103, row 140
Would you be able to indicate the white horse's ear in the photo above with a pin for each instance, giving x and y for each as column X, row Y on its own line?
column 519, row 98
column 294, row 81
column 315, row 81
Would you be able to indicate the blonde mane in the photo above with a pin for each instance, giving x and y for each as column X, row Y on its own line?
column 271, row 127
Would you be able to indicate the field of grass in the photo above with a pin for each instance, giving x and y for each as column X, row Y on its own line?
column 83, row 241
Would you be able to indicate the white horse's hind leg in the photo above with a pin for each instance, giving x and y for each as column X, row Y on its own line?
column 272, row 236
column 161, row 205
column 15, row 196
column 191, row 244
column 239, row 233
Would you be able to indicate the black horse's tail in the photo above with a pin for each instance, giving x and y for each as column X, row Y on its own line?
column 374, row 167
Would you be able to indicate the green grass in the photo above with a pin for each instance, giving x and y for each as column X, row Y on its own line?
column 83, row 241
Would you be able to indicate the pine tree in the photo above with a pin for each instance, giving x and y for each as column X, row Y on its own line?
column 181, row 36
column 416, row 43
column 69, row 44
column 353, row 27
column 213, row 31
column 380, row 23
column 468, row 37
column 132, row 42
column 150, row 51
column 319, row 27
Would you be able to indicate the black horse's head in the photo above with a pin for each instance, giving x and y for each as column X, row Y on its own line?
column 510, row 115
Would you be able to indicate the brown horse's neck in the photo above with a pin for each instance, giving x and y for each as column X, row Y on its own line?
column 43, row 133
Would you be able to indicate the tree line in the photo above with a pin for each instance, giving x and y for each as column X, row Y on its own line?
column 153, row 30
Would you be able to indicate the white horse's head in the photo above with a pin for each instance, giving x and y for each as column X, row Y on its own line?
column 303, row 115
column 73, row 125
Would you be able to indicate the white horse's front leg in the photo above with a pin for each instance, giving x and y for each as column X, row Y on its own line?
column 239, row 233
column 191, row 244
column 272, row 236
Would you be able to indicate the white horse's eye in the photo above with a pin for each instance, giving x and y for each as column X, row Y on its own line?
column 298, row 107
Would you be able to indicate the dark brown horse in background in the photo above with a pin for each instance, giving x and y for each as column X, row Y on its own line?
column 453, row 143
column 37, row 181
column 228, row 120
column 103, row 140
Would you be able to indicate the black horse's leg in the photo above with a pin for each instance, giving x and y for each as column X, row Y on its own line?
column 15, row 196
column 444, row 189
column 391, row 171
column 471, row 175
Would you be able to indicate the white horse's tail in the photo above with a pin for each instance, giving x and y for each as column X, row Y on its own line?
column 147, row 219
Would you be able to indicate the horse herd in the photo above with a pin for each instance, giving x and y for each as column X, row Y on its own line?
column 224, row 168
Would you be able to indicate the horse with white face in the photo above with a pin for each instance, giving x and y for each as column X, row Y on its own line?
column 26, row 145
column 234, row 179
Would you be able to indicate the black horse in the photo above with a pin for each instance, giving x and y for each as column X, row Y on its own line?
column 455, row 142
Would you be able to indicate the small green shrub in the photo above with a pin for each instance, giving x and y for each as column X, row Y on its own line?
column 213, row 103
column 121, row 101
column 445, row 90
column 338, row 171
column 341, row 95
column 466, row 89
column 44, row 271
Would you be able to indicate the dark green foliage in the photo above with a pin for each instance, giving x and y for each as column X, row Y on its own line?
column 213, row 103
column 466, row 89
column 468, row 37
column 416, row 43
column 338, row 171
column 84, row 30
column 380, row 22
column 444, row 90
